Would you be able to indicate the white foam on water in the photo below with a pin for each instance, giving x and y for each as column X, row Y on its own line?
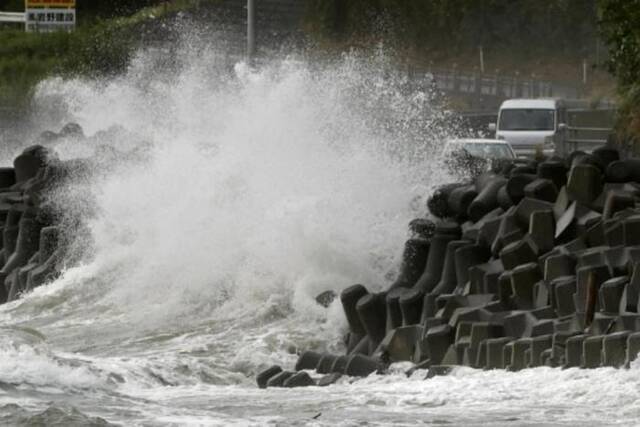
column 256, row 190
column 29, row 363
column 261, row 185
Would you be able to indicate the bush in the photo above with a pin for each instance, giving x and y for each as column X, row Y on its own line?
column 620, row 27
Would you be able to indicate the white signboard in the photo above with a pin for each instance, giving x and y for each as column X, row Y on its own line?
column 50, row 15
column 12, row 17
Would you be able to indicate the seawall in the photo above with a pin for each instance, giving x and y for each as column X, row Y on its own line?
column 529, row 263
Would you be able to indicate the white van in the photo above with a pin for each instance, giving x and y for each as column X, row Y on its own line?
column 533, row 124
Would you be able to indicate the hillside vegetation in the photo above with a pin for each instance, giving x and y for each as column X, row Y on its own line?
column 101, row 45
column 620, row 25
column 549, row 39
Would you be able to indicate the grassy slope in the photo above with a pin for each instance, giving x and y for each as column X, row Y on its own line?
column 102, row 47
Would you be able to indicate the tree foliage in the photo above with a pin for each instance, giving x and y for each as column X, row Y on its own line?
column 567, row 25
column 620, row 27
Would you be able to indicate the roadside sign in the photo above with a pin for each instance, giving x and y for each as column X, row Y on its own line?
column 50, row 15
column 12, row 17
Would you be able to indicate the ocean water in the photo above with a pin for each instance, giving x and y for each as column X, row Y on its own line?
column 226, row 198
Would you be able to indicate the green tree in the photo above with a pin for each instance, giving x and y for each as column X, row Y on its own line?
column 620, row 27
column 567, row 25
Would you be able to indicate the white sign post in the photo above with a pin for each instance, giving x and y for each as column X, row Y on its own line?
column 50, row 15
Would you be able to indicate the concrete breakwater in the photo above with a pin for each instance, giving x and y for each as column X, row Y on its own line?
column 32, row 250
column 35, row 234
column 532, row 263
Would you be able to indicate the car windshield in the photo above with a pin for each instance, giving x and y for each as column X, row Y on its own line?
column 526, row 119
column 488, row 150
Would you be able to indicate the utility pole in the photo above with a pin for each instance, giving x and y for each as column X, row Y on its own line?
column 251, row 29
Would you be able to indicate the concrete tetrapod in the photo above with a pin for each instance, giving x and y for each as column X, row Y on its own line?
column 26, row 166
column 555, row 171
column 411, row 307
column 278, row 380
column 516, row 184
column 541, row 189
column 448, row 280
column 445, row 233
column 414, row 261
column 615, row 348
column 349, row 298
column 617, row 201
column 487, row 198
column 585, row 183
column 26, row 246
column 438, row 202
column 553, row 281
column 460, row 199
column 340, row 364
column 372, row 313
column 7, row 177
column 523, row 279
column 263, row 377
column 632, row 348
column 45, row 271
column 362, row 366
column 325, row 364
column 394, row 314
column 592, row 351
column 606, row 155
column 299, row 379
column 308, row 360
column 623, row 171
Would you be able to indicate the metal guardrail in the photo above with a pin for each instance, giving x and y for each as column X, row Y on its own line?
column 583, row 138
column 499, row 86
column 486, row 91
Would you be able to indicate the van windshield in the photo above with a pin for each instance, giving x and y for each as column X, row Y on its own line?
column 526, row 119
